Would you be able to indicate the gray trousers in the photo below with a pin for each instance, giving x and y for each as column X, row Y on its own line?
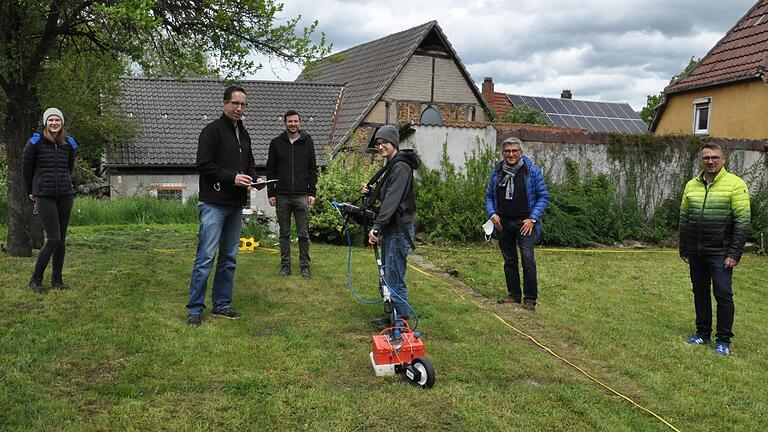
column 298, row 205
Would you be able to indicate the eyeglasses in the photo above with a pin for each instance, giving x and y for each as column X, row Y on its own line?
column 710, row 158
column 242, row 105
column 381, row 144
column 511, row 151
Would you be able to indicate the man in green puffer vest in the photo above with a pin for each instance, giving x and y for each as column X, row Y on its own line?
column 714, row 225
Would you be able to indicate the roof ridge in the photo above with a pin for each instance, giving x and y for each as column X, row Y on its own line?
column 377, row 40
column 221, row 80
column 581, row 100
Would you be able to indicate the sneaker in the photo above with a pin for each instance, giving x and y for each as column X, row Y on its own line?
column 194, row 320
column 529, row 305
column 508, row 300
column 285, row 271
column 722, row 348
column 697, row 340
column 59, row 285
column 36, row 286
column 305, row 272
column 227, row 313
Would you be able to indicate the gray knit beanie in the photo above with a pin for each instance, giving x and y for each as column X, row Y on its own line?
column 390, row 134
column 52, row 111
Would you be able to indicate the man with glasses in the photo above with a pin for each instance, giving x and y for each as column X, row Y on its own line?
column 291, row 162
column 714, row 225
column 515, row 199
column 227, row 171
column 393, row 226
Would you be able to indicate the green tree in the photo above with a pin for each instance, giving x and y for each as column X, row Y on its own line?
column 168, row 37
column 523, row 114
column 648, row 112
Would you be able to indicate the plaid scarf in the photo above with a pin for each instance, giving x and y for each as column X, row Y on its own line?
column 509, row 175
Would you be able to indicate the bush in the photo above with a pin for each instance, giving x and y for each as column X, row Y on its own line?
column 342, row 181
column 451, row 203
column 589, row 211
column 132, row 210
column 759, row 204
column 3, row 192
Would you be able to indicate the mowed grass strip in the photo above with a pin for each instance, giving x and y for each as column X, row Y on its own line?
column 115, row 353
column 623, row 316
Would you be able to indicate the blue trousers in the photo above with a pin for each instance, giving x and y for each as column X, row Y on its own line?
column 219, row 230
column 394, row 256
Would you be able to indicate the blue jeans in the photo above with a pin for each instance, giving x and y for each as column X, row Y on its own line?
column 394, row 256
column 510, row 240
column 219, row 229
column 706, row 272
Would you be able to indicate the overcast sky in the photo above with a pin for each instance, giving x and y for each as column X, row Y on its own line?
column 606, row 50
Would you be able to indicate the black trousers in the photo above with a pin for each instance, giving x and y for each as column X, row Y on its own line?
column 54, row 212
column 709, row 276
column 510, row 240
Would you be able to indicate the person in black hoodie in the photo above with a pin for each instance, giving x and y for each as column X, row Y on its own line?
column 393, row 226
column 291, row 162
column 47, row 164
column 227, row 171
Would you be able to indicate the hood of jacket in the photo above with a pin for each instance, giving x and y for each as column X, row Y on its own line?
column 409, row 156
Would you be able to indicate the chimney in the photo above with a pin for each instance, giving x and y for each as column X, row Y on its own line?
column 488, row 89
column 566, row 94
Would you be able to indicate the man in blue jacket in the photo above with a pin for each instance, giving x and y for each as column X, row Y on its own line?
column 515, row 200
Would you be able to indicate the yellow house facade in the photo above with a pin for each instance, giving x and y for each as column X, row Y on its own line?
column 726, row 94
column 738, row 110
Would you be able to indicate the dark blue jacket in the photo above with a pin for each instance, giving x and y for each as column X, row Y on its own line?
column 535, row 188
column 47, row 166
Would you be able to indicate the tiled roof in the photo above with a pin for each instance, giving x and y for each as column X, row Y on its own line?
column 741, row 54
column 590, row 115
column 500, row 103
column 369, row 69
column 170, row 114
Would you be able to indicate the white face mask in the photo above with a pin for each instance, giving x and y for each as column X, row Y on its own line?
column 488, row 229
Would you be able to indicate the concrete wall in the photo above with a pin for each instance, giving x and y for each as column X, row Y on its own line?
column 428, row 142
column 130, row 183
column 657, row 176
column 737, row 111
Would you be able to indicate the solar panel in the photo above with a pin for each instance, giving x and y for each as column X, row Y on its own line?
column 570, row 106
column 593, row 116
column 559, row 107
column 548, row 108
column 557, row 120
column 582, row 121
column 570, row 121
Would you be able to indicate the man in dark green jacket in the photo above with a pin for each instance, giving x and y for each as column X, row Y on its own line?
column 714, row 225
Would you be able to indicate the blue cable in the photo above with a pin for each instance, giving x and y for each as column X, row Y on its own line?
column 349, row 274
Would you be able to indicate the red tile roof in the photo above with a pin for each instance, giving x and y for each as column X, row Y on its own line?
column 500, row 104
column 741, row 54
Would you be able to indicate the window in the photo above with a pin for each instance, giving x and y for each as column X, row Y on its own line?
column 701, row 115
column 431, row 116
column 169, row 194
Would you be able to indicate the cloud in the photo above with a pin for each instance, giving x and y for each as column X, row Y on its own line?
column 601, row 49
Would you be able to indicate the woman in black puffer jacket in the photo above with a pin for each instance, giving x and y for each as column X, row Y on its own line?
column 49, row 158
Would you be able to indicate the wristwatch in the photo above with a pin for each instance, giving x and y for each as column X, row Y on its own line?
column 533, row 220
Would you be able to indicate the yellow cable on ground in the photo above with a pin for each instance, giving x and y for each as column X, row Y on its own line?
column 674, row 251
column 554, row 354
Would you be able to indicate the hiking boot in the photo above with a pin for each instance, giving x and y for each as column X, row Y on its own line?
column 305, row 272
column 59, row 285
column 697, row 340
column 36, row 286
column 227, row 313
column 722, row 348
column 285, row 271
column 382, row 321
column 194, row 320
column 529, row 305
column 508, row 300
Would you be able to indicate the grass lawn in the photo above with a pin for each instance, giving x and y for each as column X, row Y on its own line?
column 115, row 353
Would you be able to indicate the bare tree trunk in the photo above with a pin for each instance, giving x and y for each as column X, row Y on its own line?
column 20, row 121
